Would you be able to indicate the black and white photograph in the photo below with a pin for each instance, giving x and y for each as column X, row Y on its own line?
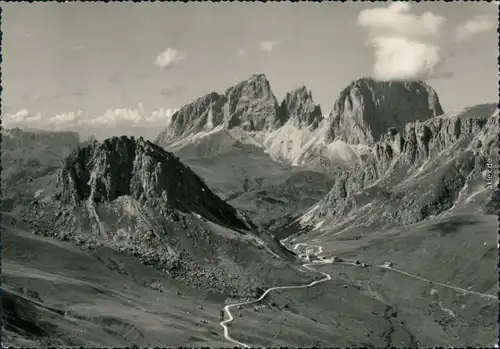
column 250, row 174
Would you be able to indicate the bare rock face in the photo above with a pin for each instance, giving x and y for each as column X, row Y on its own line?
column 366, row 109
column 249, row 104
column 419, row 171
column 204, row 114
column 103, row 172
column 136, row 198
column 300, row 110
column 252, row 105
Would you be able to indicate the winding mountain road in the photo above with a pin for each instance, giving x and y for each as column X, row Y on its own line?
column 458, row 289
column 319, row 250
column 227, row 308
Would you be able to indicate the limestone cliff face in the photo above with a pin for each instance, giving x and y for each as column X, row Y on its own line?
column 103, row 172
column 419, row 171
column 249, row 104
column 252, row 105
column 300, row 109
column 366, row 109
column 136, row 198
column 204, row 114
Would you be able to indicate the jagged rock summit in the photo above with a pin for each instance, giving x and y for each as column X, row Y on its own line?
column 295, row 130
column 136, row 198
column 367, row 108
column 424, row 170
column 249, row 104
column 252, row 105
column 203, row 114
column 300, row 110
column 103, row 172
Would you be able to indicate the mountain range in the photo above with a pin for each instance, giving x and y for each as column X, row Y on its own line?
column 217, row 204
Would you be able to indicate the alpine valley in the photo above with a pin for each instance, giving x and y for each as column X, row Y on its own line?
column 128, row 242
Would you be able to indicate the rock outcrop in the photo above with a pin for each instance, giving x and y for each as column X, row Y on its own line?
column 252, row 105
column 136, row 198
column 203, row 114
column 102, row 172
column 418, row 172
column 300, row 109
column 366, row 109
column 249, row 104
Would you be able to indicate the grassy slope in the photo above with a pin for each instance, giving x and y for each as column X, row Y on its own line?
column 252, row 182
column 106, row 298
column 459, row 250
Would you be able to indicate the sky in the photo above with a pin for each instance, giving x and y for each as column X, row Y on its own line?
column 124, row 68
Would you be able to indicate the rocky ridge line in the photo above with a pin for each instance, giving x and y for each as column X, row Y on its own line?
column 366, row 108
column 453, row 150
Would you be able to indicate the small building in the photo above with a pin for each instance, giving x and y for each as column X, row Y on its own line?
column 388, row 264
column 303, row 256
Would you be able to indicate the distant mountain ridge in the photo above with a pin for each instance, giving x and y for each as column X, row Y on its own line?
column 295, row 130
column 249, row 104
column 424, row 170
column 28, row 155
column 366, row 109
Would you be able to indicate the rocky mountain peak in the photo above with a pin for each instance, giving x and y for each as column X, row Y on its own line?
column 367, row 108
column 123, row 166
column 300, row 109
column 204, row 113
column 419, row 171
column 252, row 105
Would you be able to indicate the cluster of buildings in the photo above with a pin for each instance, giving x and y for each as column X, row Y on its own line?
column 309, row 257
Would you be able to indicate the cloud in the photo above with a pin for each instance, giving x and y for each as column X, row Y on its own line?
column 397, row 19
column 241, row 52
column 401, row 58
column 121, row 118
column 405, row 44
column 19, row 116
column 268, row 46
column 409, row 46
column 474, row 26
column 170, row 57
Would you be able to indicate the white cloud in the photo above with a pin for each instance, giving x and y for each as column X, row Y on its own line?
column 121, row 118
column 18, row 116
column 268, row 46
column 396, row 18
column 405, row 44
column 476, row 25
column 400, row 58
column 64, row 118
column 241, row 52
column 170, row 57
